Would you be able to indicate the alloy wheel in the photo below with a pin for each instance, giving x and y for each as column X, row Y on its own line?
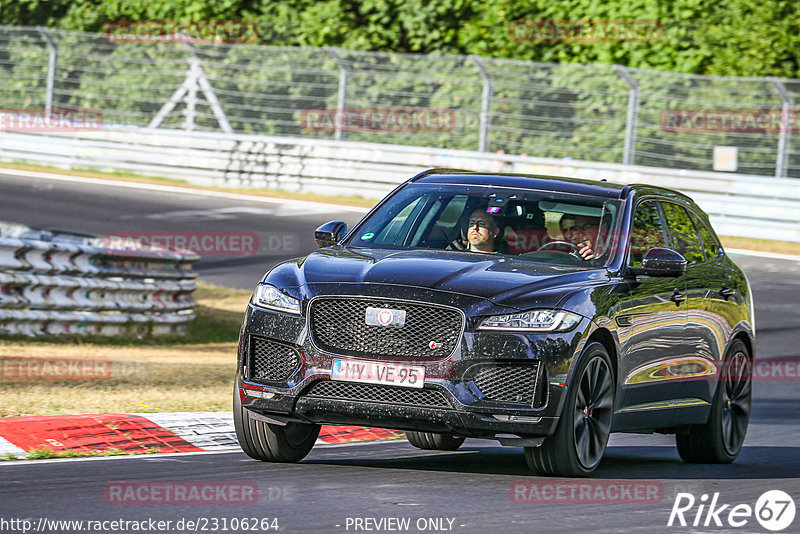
column 592, row 416
column 736, row 397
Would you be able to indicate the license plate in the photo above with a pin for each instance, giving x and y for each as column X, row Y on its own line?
column 389, row 373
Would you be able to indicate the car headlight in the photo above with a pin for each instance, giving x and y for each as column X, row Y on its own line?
column 270, row 297
column 532, row 321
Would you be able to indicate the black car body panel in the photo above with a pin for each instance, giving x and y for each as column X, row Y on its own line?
column 667, row 335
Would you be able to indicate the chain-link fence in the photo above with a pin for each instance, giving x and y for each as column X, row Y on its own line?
column 594, row 113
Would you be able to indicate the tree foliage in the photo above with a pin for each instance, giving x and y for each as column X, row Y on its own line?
column 725, row 37
column 562, row 99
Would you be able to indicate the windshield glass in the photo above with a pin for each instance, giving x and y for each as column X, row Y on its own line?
column 540, row 226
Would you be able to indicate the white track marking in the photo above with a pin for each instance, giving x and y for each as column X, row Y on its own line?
column 182, row 190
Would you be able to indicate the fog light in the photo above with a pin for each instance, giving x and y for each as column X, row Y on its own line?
column 517, row 418
column 258, row 394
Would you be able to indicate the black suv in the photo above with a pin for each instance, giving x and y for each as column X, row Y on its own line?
column 542, row 312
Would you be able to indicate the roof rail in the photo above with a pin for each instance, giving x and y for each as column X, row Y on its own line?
column 437, row 169
column 626, row 190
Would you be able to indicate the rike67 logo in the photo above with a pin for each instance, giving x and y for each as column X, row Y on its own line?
column 774, row 510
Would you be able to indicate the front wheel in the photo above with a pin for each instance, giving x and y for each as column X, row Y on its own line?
column 720, row 439
column 578, row 444
column 270, row 442
column 432, row 441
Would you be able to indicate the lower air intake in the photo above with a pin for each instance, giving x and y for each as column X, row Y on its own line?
column 271, row 360
column 514, row 384
column 353, row 391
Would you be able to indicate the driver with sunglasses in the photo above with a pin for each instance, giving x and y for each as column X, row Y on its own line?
column 481, row 232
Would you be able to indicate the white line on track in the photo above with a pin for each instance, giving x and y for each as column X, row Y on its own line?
column 760, row 254
column 181, row 190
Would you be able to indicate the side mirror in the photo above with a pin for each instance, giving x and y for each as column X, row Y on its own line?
column 330, row 233
column 661, row 262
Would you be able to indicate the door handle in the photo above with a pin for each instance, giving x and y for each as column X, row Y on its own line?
column 677, row 297
column 726, row 292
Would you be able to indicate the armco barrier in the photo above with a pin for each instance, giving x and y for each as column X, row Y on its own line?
column 57, row 283
column 739, row 205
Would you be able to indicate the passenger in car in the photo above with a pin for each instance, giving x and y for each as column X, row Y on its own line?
column 584, row 231
column 528, row 232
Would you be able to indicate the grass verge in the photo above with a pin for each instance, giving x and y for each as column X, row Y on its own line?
column 42, row 454
column 356, row 200
column 155, row 374
column 761, row 245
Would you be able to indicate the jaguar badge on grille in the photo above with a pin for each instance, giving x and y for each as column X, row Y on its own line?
column 385, row 317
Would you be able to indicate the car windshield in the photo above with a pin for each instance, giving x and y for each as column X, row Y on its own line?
column 534, row 225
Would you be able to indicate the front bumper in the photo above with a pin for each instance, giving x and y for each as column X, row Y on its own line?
column 467, row 412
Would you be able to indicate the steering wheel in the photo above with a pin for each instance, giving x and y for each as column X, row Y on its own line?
column 574, row 253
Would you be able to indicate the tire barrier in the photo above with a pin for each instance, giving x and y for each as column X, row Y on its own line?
column 54, row 283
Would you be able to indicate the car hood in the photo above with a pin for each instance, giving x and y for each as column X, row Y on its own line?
column 501, row 279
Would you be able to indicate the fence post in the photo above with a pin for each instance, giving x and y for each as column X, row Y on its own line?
column 486, row 103
column 208, row 92
column 629, row 150
column 195, row 78
column 341, row 99
column 191, row 93
column 786, row 130
column 51, row 71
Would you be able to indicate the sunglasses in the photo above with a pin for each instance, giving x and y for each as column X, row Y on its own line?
column 479, row 223
column 578, row 227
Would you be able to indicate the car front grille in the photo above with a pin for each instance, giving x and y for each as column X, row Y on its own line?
column 508, row 383
column 354, row 391
column 338, row 325
column 271, row 360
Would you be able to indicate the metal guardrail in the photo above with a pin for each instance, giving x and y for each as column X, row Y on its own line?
column 739, row 205
column 58, row 283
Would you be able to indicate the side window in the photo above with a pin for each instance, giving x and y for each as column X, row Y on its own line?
column 646, row 233
column 710, row 244
column 682, row 233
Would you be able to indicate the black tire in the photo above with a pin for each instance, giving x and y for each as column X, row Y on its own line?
column 432, row 441
column 577, row 446
column 269, row 442
column 720, row 440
